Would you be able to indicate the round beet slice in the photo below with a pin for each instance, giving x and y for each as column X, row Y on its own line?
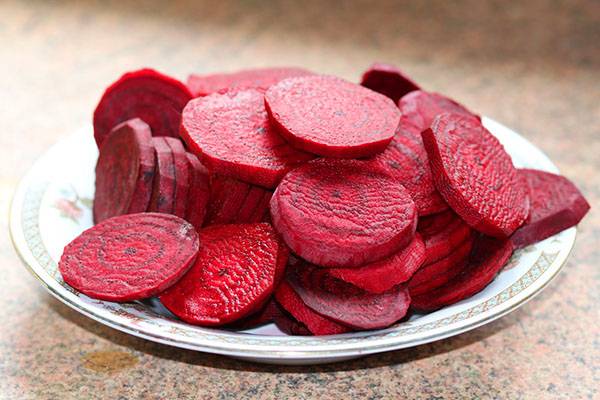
column 182, row 176
column 155, row 98
column 332, row 117
column 124, row 171
column 380, row 276
column 388, row 80
column 342, row 213
column 233, row 275
column 475, row 175
column 130, row 257
column 198, row 193
column 441, row 238
column 165, row 183
column 556, row 204
column 231, row 135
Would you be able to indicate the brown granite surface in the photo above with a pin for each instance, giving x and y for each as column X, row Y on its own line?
column 534, row 66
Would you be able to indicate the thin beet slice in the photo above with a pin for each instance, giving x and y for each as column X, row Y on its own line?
column 155, row 98
column 431, row 224
column 556, row 204
column 130, row 257
column 380, row 276
column 261, row 213
column 259, row 79
column 182, row 176
column 332, row 117
column 442, row 238
column 388, row 80
column 342, row 213
column 232, row 136
column 475, row 175
column 124, row 171
column 164, row 185
column 233, row 275
column 487, row 258
column 199, row 192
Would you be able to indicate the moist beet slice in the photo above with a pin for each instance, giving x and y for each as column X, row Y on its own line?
column 258, row 78
column 155, row 98
column 388, row 80
column 165, row 183
column 231, row 135
column 124, row 171
column 130, row 257
column 442, row 238
column 332, row 117
column 198, row 193
column 380, row 276
column 342, row 213
column 182, row 176
column 487, row 258
column 233, row 275
column 475, row 175
column 556, row 204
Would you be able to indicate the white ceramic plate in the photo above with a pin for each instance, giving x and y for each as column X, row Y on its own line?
column 52, row 206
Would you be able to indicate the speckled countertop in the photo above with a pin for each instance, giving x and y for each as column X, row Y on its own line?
column 533, row 66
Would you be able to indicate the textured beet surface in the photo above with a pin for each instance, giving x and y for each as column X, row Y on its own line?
column 442, row 236
column 388, row 80
column 231, row 135
column 475, row 175
column 198, row 193
column 233, row 275
column 332, row 117
column 146, row 94
column 182, row 176
column 129, row 257
column 556, row 204
column 164, row 185
column 342, row 213
column 124, row 171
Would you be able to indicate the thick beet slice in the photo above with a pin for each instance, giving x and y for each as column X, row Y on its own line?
column 556, row 204
column 388, row 80
column 231, row 135
column 259, row 78
column 380, row 276
column 475, row 175
column 164, row 185
column 182, row 176
column 124, row 171
column 332, row 117
column 146, row 94
column 487, row 258
column 342, row 213
column 198, row 193
column 129, row 257
column 442, row 238
column 233, row 275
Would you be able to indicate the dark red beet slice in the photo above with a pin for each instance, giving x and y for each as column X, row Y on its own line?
column 282, row 261
column 431, row 224
column 342, row 213
column 124, row 171
column 259, row 78
column 182, row 176
column 442, row 239
column 287, row 324
column 130, row 257
column 199, row 192
column 164, row 186
column 487, row 258
column 332, row 117
column 475, row 175
column 261, row 213
column 380, row 276
column 232, row 136
column 233, row 275
column 146, row 94
column 388, row 80
column 556, row 204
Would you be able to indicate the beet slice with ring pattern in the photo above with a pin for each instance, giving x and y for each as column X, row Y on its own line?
column 388, row 80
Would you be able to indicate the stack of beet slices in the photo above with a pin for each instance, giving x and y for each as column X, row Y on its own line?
column 280, row 195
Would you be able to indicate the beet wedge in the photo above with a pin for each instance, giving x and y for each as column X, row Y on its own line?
column 388, row 80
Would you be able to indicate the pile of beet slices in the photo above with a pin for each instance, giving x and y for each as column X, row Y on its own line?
column 280, row 195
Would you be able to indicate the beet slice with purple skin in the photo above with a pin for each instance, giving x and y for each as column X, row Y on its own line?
column 130, row 257
column 342, row 213
column 155, row 98
column 164, row 185
column 232, row 136
column 556, row 204
column 199, row 192
column 182, row 176
column 388, row 80
column 234, row 274
column 475, row 175
column 124, row 171
column 380, row 276
column 332, row 117
column 442, row 236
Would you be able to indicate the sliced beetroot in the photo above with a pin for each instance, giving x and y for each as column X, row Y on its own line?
column 487, row 258
column 283, row 257
column 124, row 171
column 259, row 79
column 232, row 136
column 431, row 224
column 388, row 80
column 475, row 175
column 129, row 257
column 556, row 204
column 155, row 98
column 164, row 185
column 287, row 324
column 442, row 238
column 342, row 213
column 233, row 275
column 182, row 176
column 332, row 117
column 380, row 276
column 198, row 193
